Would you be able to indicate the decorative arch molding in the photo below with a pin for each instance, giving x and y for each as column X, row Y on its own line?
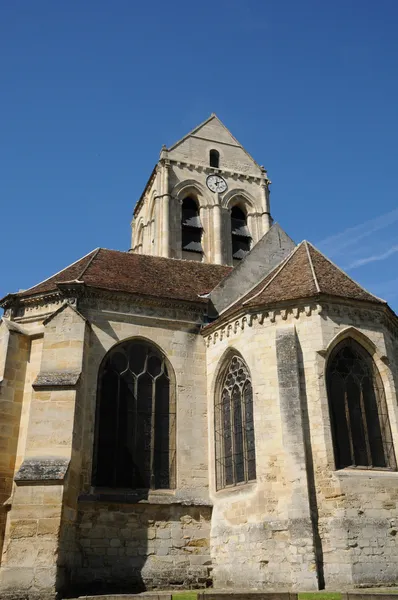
column 152, row 206
column 135, row 423
column 184, row 188
column 358, row 336
column 231, row 197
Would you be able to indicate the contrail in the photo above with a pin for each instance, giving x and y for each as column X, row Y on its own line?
column 336, row 244
column 364, row 261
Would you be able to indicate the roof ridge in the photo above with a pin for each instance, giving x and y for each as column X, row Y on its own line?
column 281, row 267
column 60, row 271
column 318, row 289
column 79, row 277
column 346, row 275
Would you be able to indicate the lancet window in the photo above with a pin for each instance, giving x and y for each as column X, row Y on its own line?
column 234, row 427
column 361, row 427
column 214, row 158
column 241, row 239
column 191, row 229
column 135, row 428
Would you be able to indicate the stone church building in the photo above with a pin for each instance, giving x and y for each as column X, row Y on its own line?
column 216, row 406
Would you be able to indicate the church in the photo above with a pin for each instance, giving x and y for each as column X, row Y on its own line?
column 216, row 406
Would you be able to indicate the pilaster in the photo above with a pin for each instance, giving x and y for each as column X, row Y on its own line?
column 42, row 505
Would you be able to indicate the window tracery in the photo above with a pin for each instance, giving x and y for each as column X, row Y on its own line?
column 135, row 443
column 361, row 428
column 234, row 427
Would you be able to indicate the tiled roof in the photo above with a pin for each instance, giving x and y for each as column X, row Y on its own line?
column 138, row 274
column 305, row 273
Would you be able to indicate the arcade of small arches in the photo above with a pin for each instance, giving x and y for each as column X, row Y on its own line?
column 135, row 440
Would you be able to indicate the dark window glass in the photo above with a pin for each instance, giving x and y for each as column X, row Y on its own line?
column 361, row 427
column 191, row 227
column 234, row 428
column 214, row 158
column 135, row 445
column 241, row 239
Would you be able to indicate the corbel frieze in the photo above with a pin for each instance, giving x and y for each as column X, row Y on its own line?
column 263, row 317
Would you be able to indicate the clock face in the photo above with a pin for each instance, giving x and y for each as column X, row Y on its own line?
column 215, row 183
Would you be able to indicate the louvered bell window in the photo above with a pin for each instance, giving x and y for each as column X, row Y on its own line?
column 191, row 227
column 241, row 238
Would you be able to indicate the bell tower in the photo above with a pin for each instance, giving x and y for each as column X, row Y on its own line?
column 206, row 200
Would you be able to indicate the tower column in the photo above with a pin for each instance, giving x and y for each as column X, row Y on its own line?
column 267, row 220
column 218, row 233
column 165, row 200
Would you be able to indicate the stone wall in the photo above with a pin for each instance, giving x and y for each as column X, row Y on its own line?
column 353, row 511
column 263, row 526
column 133, row 547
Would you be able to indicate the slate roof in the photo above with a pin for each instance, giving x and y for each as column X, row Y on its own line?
column 305, row 273
column 138, row 274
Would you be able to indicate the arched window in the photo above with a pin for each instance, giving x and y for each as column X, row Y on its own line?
column 135, row 441
column 214, row 158
column 191, row 230
column 234, row 427
column 361, row 428
column 241, row 238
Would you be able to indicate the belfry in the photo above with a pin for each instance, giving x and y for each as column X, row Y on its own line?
column 215, row 406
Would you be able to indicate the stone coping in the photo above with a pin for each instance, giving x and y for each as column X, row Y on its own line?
column 43, row 470
column 131, row 497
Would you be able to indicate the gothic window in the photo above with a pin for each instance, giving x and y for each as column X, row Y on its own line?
column 135, row 442
column 214, row 158
column 191, row 228
column 241, row 238
column 234, row 427
column 361, row 427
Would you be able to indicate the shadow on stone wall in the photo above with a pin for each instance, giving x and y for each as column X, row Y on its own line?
column 310, row 472
column 132, row 546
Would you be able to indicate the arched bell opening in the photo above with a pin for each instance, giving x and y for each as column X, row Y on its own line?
column 191, row 230
column 240, row 234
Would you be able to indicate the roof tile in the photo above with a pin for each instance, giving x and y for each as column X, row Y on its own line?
column 139, row 274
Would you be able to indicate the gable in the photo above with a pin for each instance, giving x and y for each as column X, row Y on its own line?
column 212, row 134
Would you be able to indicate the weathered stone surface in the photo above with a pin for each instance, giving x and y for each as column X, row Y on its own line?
column 45, row 469
column 56, row 379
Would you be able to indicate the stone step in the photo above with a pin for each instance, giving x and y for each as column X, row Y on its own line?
column 142, row 596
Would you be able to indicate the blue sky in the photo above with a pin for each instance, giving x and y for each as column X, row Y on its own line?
column 91, row 90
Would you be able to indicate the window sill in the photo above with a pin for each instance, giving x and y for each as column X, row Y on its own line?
column 245, row 486
column 365, row 472
column 155, row 497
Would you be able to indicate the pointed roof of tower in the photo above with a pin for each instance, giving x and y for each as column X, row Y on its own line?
column 207, row 129
column 305, row 273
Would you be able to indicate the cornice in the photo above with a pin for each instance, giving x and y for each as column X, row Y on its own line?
column 328, row 307
column 238, row 175
column 82, row 297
